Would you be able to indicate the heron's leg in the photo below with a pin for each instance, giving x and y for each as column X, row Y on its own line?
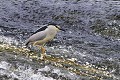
column 36, row 44
column 43, row 52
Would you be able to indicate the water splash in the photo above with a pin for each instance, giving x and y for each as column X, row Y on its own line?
column 87, row 69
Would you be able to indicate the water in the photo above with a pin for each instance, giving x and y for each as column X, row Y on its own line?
column 92, row 37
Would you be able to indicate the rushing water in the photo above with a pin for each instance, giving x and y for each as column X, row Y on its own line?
column 92, row 38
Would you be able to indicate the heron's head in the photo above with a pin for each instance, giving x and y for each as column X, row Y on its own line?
column 55, row 27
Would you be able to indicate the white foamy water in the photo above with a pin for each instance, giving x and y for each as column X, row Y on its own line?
column 21, row 73
column 8, row 40
column 4, row 65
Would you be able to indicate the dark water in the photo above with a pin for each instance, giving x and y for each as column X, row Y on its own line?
column 92, row 35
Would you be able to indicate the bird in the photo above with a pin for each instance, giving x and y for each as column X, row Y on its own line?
column 42, row 36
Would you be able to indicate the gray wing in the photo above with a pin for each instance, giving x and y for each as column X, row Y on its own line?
column 36, row 37
column 41, row 29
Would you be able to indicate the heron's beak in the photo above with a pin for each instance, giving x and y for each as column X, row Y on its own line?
column 61, row 29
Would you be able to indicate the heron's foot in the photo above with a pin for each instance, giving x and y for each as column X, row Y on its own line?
column 43, row 56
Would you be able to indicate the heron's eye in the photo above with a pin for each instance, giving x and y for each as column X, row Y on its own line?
column 58, row 27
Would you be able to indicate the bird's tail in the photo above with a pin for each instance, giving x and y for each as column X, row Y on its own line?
column 26, row 43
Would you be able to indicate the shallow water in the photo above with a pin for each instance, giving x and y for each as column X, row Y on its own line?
column 92, row 37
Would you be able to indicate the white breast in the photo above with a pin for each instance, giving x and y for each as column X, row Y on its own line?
column 51, row 33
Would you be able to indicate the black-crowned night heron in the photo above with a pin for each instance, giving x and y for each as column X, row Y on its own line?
column 43, row 35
